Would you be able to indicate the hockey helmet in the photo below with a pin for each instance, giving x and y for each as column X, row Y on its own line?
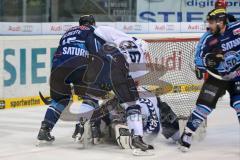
column 218, row 15
column 86, row 20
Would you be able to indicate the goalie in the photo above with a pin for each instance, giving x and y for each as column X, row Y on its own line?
column 158, row 118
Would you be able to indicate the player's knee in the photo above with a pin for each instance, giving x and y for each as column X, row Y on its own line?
column 209, row 95
column 169, row 120
column 126, row 90
column 57, row 106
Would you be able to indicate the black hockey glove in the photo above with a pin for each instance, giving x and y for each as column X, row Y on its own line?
column 212, row 60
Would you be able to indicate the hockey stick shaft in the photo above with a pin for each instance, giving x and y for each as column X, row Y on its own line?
column 215, row 75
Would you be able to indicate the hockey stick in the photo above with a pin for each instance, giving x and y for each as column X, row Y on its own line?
column 46, row 101
column 98, row 113
column 215, row 75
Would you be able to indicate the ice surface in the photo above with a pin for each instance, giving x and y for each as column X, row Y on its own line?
column 19, row 128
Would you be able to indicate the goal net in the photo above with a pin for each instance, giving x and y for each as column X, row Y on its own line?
column 172, row 76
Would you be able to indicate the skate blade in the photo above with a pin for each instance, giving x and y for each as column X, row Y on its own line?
column 139, row 152
column 98, row 141
column 183, row 149
column 41, row 143
column 78, row 138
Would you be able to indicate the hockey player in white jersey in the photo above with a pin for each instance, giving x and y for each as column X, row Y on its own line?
column 158, row 118
column 134, row 51
column 133, row 110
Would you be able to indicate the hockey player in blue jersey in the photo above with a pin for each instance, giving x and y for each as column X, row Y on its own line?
column 75, row 52
column 80, row 60
column 218, row 53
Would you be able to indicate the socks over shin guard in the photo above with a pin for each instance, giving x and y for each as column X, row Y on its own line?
column 134, row 119
column 199, row 114
column 135, row 124
column 51, row 117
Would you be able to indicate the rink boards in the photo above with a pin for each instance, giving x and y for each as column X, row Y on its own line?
column 26, row 63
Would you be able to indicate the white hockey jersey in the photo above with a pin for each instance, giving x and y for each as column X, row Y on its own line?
column 136, row 60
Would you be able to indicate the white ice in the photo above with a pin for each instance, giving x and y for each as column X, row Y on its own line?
column 19, row 128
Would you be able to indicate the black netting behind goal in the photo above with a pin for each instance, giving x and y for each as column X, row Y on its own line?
column 172, row 76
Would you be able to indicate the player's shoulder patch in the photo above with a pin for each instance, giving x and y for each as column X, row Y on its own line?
column 236, row 31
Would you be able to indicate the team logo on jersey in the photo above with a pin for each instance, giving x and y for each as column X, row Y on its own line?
column 231, row 59
column 236, row 31
column 196, row 123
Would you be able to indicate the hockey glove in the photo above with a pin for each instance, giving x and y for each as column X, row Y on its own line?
column 212, row 60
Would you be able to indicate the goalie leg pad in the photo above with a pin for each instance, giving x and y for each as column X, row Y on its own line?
column 123, row 136
column 169, row 120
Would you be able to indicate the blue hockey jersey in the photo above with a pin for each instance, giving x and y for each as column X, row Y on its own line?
column 77, row 41
column 228, row 42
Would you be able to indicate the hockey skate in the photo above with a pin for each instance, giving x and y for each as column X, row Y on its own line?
column 185, row 141
column 140, row 147
column 44, row 135
column 96, row 132
column 78, row 134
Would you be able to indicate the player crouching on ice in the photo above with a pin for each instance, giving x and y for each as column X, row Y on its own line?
column 82, row 60
column 218, row 53
column 134, row 51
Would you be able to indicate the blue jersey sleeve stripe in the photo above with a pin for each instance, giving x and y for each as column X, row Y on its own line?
column 96, row 45
column 231, row 25
column 199, row 50
column 203, row 44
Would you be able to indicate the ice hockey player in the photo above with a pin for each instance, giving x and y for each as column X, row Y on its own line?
column 134, row 50
column 150, row 105
column 218, row 53
column 158, row 118
column 127, row 93
column 74, row 53
column 219, row 4
column 77, row 42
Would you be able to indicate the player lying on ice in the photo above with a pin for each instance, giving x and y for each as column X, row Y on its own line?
column 218, row 53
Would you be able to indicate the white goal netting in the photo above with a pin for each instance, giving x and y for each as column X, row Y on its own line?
column 172, row 77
